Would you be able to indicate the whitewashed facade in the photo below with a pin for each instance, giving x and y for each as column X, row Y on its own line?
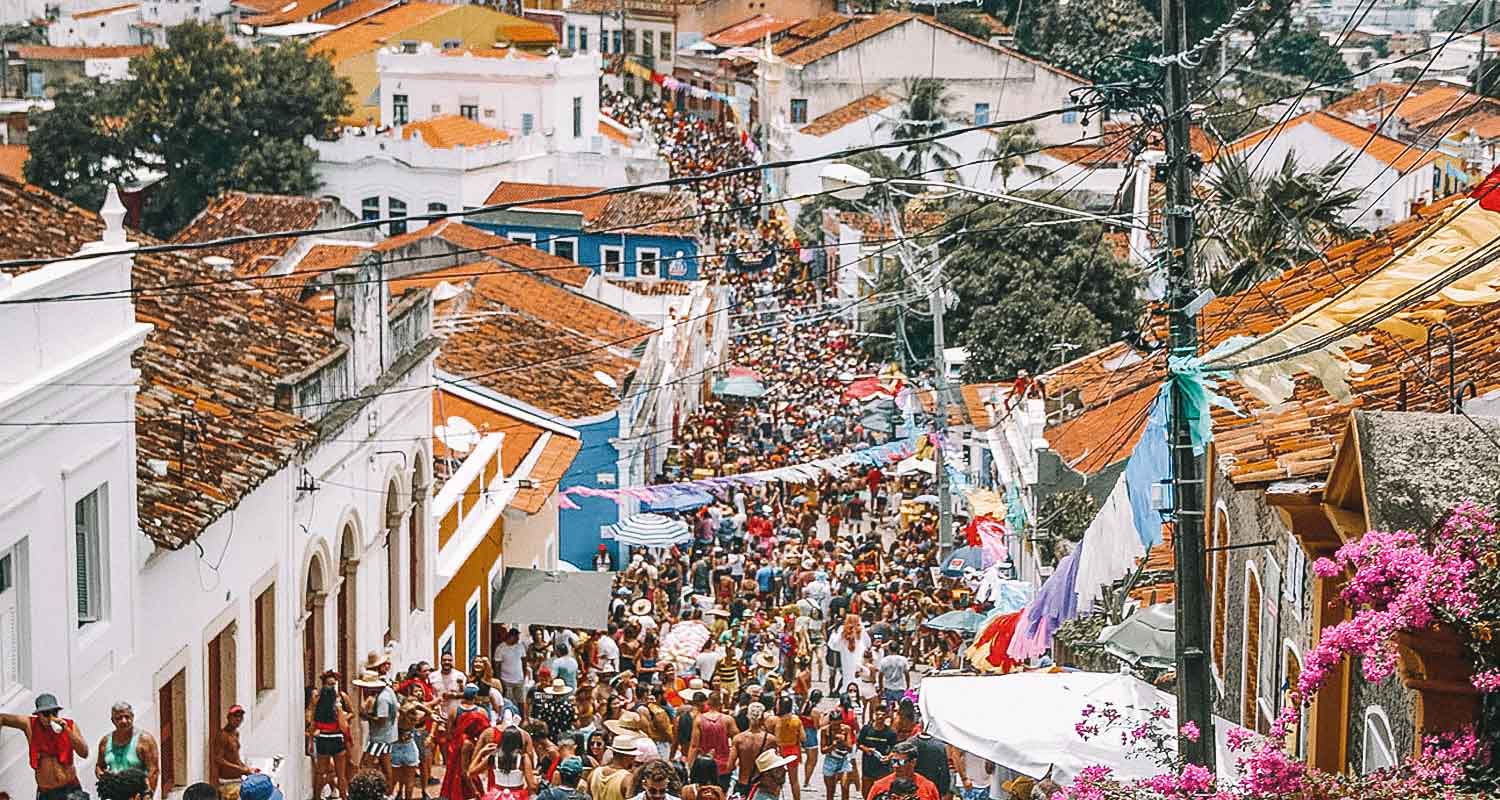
column 321, row 562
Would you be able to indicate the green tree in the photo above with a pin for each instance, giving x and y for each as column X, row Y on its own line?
column 926, row 109
column 1026, row 297
column 1486, row 79
column 210, row 115
column 1254, row 227
column 964, row 20
column 1451, row 17
column 1303, row 54
column 1095, row 39
column 1012, row 143
column 82, row 146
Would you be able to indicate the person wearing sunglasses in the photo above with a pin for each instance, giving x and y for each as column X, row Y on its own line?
column 54, row 741
column 903, row 764
column 656, row 780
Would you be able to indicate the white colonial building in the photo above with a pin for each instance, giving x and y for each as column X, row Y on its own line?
column 242, row 509
column 455, row 123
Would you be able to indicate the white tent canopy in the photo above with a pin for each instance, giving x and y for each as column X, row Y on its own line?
column 1024, row 721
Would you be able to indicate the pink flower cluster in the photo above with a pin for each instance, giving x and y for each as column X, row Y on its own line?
column 1487, row 680
column 1270, row 771
column 1445, row 756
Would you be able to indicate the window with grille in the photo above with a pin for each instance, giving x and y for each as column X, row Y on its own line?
column 1266, row 690
column 666, row 44
column 88, row 557
column 646, row 262
column 528, row 123
column 369, row 208
column 577, row 117
column 469, row 112
column 630, row 42
column 583, row 40
column 799, row 111
column 437, row 208
column 611, row 258
column 572, row 37
column 400, row 109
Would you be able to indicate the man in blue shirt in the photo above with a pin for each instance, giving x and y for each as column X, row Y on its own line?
column 765, row 581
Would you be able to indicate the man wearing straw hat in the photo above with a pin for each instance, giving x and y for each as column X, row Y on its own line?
column 770, row 775
column 608, row 781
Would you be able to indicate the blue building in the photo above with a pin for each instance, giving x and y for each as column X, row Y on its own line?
column 636, row 235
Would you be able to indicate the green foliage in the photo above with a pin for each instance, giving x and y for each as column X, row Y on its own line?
column 1489, row 79
column 1095, row 39
column 1022, row 293
column 80, row 147
column 211, row 115
column 964, row 20
column 1067, row 513
column 1010, row 146
column 1301, row 54
column 1449, row 18
column 1254, row 227
column 926, row 109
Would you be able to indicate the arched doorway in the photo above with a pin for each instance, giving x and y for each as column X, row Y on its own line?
column 347, row 608
column 312, row 627
column 392, row 562
column 416, row 563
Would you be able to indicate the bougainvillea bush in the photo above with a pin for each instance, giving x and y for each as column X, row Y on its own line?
column 1398, row 582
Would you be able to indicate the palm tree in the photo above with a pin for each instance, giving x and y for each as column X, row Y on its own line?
column 927, row 108
column 1007, row 150
column 1256, row 226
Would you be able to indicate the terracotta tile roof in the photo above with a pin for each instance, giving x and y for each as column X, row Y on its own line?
column 1297, row 440
column 376, row 30
column 808, row 30
column 452, row 130
column 526, row 32
column 325, row 257
column 665, row 213
column 488, row 332
column 847, row 114
column 750, row 31
column 1090, row 442
column 355, row 11
column 975, row 397
column 521, row 437
column 100, row 12
column 845, row 37
column 259, row 6
column 208, row 368
column 1429, row 101
column 663, row 8
column 496, row 52
column 239, row 213
column 1113, row 146
column 1391, row 152
column 294, row 11
column 13, row 160
column 42, row 52
column 520, row 192
column 485, row 245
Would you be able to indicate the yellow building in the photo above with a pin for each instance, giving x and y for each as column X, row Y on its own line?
column 352, row 48
column 497, row 506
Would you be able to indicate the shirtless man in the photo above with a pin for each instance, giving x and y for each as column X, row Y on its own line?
column 53, row 742
column 229, row 766
column 746, row 746
column 128, row 747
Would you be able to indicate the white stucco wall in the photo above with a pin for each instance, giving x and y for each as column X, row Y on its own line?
column 69, row 376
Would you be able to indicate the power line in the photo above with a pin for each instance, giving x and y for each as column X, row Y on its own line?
column 566, row 197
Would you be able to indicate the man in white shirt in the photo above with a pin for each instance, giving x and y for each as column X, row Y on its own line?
column 895, row 676
column 607, row 654
column 708, row 661
column 509, row 656
column 448, row 682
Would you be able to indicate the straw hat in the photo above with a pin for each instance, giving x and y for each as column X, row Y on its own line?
column 369, row 679
column 558, row 687
column 765, row 659
column 640, row 608
column 628, row 724
column 624, row 745
column 771, row 759
column 717, row 612
column 375, row 659
column 696, row 690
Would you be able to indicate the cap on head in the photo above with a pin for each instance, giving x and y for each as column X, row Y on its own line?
column 258, row 786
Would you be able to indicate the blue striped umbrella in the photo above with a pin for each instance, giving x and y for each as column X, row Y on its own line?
column 651, row 530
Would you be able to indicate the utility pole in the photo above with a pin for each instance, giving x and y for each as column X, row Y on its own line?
column 1194, row 691
column 945, row 492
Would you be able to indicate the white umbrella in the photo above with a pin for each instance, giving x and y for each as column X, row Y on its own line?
column 1145, row 638
column 1024, row 721
column 913, row 464
column 651, row 530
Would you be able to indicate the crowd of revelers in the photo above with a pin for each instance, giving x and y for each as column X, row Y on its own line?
column 779, row 647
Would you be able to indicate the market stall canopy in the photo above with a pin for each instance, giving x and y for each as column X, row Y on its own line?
column 962, row 560
column 553, row 597
column 1024, row 721
column 679, row 498
column 1146, row 638
column 650, row 530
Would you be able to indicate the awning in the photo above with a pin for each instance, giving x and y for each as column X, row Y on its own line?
column 558, row 598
